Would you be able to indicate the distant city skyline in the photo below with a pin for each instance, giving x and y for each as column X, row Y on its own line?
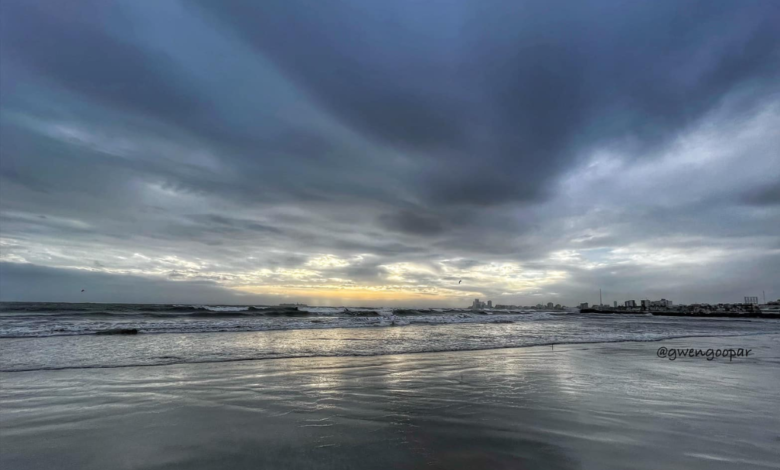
column 200, row 152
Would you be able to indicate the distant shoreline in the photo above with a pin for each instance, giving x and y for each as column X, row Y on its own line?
column 683, row 314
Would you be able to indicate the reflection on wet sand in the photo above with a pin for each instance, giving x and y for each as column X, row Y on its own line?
column 579, row 406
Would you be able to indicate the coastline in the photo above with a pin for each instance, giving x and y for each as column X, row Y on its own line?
column 412, row 353
column 596, row 405
column 671, row 313
column 150, row 349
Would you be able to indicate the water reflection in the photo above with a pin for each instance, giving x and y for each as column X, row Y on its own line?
column 594, row 406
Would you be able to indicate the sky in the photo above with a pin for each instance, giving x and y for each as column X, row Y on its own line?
column 389, row 153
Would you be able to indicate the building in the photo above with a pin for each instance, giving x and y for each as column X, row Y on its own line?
column 475, row 304
column 751, row 300
column 631, row 303
column 584, row 305
column 550, row 305
column 663, row 303
column 490, row 304
column 614, row 304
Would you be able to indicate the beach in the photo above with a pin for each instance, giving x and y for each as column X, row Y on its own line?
column 589, row 406
column 457, row 235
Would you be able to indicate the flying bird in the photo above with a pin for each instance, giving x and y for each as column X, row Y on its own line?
column 460, row 281
column 82, row 290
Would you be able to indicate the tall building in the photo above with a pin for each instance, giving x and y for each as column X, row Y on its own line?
column 615, row 303
column 630, row 303
column 584, row 305
column 475, row 305
column 751, row 300
column 490, row 304
column 550, row 305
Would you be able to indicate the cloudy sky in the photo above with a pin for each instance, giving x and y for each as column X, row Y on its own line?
column 365, row 152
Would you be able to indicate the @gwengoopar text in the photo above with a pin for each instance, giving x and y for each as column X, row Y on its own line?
column 708, row 354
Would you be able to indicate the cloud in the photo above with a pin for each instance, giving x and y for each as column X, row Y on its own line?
column 483, row 99
column 68, row 45
column 768, row 195
column 412, row 223
column 25, row 282
column 342, row 150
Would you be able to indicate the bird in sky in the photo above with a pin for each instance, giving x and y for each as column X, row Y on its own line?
column 82, row 290
column 460, row 281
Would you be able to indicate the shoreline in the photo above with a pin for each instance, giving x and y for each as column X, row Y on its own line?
column 683, row 314
column 411, row 353
column 601, row 405
column 317, row 325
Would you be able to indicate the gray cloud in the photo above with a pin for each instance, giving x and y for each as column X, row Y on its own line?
column 512, row 93
column 24, row 283
column 767, row 195
column 68, row 45
column 285, row 146
column 413, row 223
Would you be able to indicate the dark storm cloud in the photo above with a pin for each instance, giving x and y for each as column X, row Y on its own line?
column 406, row 221
column 66, row 44
column 413, row 142
column 92, row 51
column 768, row 195
column 510, row 93
column 220, row 223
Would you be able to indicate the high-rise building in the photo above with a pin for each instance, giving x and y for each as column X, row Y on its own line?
column 615, row 303
column 475, row 305
column 751, row 300
column 550, row 305
column 630, row 303
column 584, row 305
column 490, row 304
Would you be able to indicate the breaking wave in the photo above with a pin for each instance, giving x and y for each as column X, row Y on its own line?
column 41, row 320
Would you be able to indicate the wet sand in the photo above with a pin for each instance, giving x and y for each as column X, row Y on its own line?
column 587, row 406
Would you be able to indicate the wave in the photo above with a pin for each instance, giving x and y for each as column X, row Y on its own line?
column 153, row 311
column 22, row 309
column 85, row 311
column 362, row 313
column 537, row 342
column 251, row 312
column 43, row 320
column 269, row 319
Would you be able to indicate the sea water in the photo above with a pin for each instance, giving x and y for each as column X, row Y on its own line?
column 42, row 336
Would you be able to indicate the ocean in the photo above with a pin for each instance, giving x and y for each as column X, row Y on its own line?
column 43, row 336
column 248, row 387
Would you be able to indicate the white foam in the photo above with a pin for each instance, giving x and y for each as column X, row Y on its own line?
column 223, row 309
